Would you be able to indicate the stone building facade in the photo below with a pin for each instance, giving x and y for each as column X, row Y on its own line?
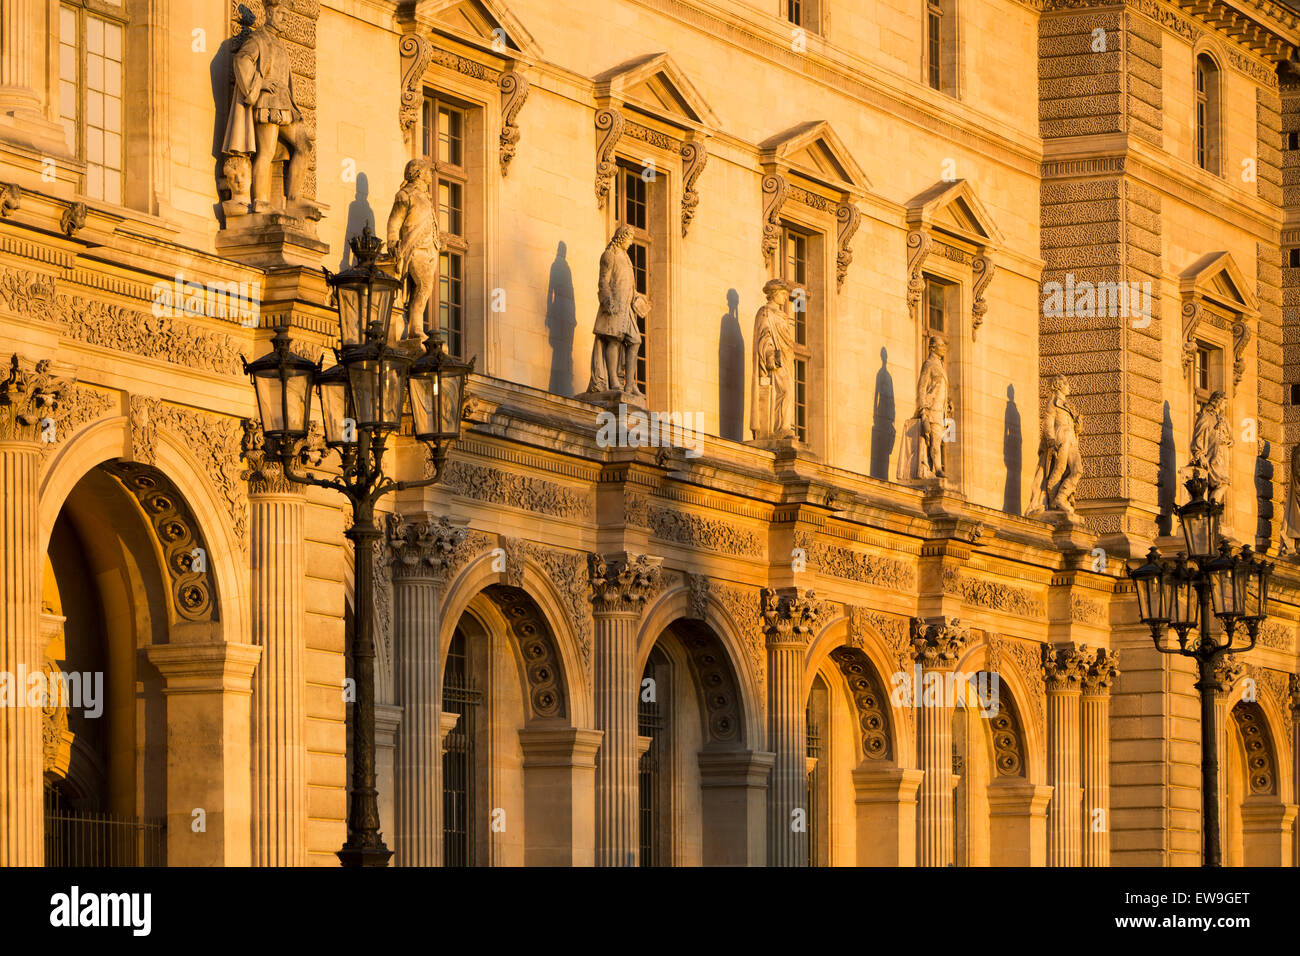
column 684, row 645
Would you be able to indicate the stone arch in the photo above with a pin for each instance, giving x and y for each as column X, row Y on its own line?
column 1262, row 776
column 720, row 651
column 1020, row 730
column 547, row 620
column 870, row 702
column 108, row 442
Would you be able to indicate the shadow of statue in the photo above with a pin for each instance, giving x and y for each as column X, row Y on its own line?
column 731, row 372
column 1167, row 477
column 1013, row 449
column 561, row 320
column 1264, row 491
column 360, row 215
column 883, row 431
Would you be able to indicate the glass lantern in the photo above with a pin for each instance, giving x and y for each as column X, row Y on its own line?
column 282, row 383
column 437, row 387
column 364, row 294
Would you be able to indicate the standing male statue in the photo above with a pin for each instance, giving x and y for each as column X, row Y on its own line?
column 934, row 409
column 772, row 399
column 263, row 112
column 1211, row 439
column 614, row 353
column 1059, row 464
column 413, row 241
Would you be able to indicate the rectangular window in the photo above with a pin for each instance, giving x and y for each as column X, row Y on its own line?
column 1295, row 258
column 1293, row 140
column 443, row 138
column 634, row 212
column 794, row 12
column 935, row 306
column 794, row 270
column 90, row 97
column 1207, row 372
column 934, row 44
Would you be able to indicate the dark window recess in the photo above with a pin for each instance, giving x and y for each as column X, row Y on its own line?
column 1293, row 140
column 1295, row 258
column 459, row 697
column 1295, row 393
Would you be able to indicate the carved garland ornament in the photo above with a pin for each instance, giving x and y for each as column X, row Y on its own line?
column 520, row 491
column 704, row 533
column 996, row 596
column 856, row 566
column 869, row 699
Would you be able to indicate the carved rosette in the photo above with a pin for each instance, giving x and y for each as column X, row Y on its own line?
column 982, row 269
column 1101, row 668
column 1064, row 667
column 1260, row 765
column 422, row 546
column 610, row 125
column 919, row 244
column 29, row 400
column 937, row 643
column 848, row 218
column 870, row 700
column 416, row 51
column 514, row 88
column 694, row 156
column 621, row 584
column 789, row 617
column 775, row 189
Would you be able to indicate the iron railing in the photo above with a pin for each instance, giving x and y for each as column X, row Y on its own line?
column 79, row 838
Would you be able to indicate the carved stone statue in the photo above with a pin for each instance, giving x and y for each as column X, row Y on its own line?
column 771, row 413
column 413, row 240
column 1059, row 464
column 614, row 353
column 1211, row 439
column 933, row 409
column 263, row 112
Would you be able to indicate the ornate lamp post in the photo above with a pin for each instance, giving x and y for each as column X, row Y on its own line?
column 1179, row 595
column 361, row 402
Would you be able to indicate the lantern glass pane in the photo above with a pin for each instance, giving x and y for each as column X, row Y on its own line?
column 381, row 308
column 423, row 413
column 449, row 403
column 351, row 328
column 1223, row 592
column 364, row 375
column 1196, row 532
column 333, row 409
column 1184, row 605
column 269, row 405
column 297, row 393
column 393, row 384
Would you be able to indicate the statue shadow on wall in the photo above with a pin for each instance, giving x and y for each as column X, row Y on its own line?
column 1013, row 449
column 360, row 215
column 1264, row 490
column 882, row 420
column 731, row 372
column 1167, row 477
column 219, row 70
column 561, row 320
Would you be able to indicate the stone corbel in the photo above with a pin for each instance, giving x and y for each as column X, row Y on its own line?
column 1240, row 336
column 775, row 189
column 11, row 196
column 694, row 157
column 416, row 52
column 1192, row 313
column 610, row 125
column 514, row 88
column 982, row 268
column 849, row 218
column 919, row 244
column 74, row 218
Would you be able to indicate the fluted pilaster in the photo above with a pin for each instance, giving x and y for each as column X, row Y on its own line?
column 1227, row 671
column 789, row 616
column 620, row 585
column 420, row 549
column 1101, row 669
column 18, row 32
column 936, row 646
column 1063, row 669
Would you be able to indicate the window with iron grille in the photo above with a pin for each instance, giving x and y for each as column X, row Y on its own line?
column 652, row 722
column 458, row 764
column 444, row 126
column 794, row 270
column 91, row 59
column 813, row 748
column 634, row 212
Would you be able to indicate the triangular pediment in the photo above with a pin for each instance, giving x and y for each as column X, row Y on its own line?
column 1217, row 277
column 953, row 207
column 655, row 85
column 486, row 24
column 814, row 150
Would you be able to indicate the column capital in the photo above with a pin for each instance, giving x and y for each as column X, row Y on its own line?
column 1100, row 668
column 266, row 476
column 1064, row 666
column 224, row 667
column 421, row 545
column 29, row 399
column 937, row 642
column 1227, row 671
column 789, row 615
column 622, row 583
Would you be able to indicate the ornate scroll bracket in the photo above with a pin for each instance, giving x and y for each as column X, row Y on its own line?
column 621, row 584
column 514, row 88
column 919, row 244
column 1240, row 338
column 775, row 189
column 982, row 268
column 29, row 400
column 849, row 218
column 416, row 52
column 1192, row 313
column 610, row 125
column 694, row 158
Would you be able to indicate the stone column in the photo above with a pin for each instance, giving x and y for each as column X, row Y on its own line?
column 789, row 616
column 620, row 585
column 420, row 549
column 279, row 685
column 27, row 397
column 1063, row 669
column 936, row 645
column 886, row 814
column 208, row 688
column 1100, row 672
column 1227, row 671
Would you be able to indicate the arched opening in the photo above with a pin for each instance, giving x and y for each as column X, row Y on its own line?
column 1257, row 825
column 1207, row 113
column 123, row 564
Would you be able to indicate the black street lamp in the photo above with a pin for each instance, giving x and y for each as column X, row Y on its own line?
column 1178, row 595
column 361, row 403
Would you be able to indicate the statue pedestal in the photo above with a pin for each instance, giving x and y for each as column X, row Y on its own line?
column 613, row 398
column 270, row 239
column 784, row 447
column 912, row 469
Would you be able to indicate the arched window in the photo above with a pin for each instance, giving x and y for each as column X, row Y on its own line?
column 1207, row 114
column 459, row 696
column 654, row 795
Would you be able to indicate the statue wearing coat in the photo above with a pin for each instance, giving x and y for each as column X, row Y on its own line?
column 772, row 393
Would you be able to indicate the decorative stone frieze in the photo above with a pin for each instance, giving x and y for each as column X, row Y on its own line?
column 854, row 565
column 704, row 533
column 993, row 595
column 79, row 406
column 487, row 483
